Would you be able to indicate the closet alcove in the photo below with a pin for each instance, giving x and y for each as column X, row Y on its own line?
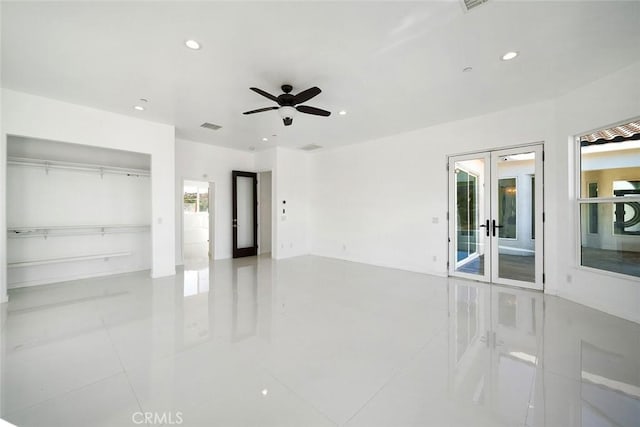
column 75, row 211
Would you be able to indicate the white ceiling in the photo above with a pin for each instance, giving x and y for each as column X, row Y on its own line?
column 393, row 66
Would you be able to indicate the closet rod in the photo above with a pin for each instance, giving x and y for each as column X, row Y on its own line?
column 75, row 230
column 45, row 261
column 87, row 167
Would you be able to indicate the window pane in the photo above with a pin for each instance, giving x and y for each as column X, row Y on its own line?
column 533, row 207
column 609, row 250
column 605, row 164
column 203, row 200
column 507, row 207
column 190, row 202
column 593, row 209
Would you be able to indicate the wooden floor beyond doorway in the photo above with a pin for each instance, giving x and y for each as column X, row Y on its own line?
column 511, row 267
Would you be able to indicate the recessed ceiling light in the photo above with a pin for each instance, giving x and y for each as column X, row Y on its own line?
column 509, row 56
column 467, row 69
column 138, row 107
column 342, row 113
column 265, row 139
column 192, row 44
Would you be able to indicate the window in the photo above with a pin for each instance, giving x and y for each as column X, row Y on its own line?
column 196, row 198
column 609, row 199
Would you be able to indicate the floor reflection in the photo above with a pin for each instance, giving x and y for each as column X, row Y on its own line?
column 331, row 342
column 517, row 361
column 494, row 340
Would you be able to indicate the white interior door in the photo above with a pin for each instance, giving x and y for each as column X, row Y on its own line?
column 496, row 216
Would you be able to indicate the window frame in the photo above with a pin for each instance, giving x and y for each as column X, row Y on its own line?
column 579, row 201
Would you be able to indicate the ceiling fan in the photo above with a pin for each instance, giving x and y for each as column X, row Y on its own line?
column 288, row 103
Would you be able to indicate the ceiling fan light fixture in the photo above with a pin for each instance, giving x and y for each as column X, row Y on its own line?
column 287, row 112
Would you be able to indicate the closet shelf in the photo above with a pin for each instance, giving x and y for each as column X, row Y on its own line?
column 87, row 167
column 75, row 230
column 67, row 259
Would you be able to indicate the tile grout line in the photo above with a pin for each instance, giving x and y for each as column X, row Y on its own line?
column 48, row 399
column 283, row 384
column 124, row 371
column 400, row 368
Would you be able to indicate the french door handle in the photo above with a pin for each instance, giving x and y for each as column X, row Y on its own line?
column 486, row 227
column 493, row 223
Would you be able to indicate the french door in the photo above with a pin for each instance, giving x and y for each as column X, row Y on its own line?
column 496, row 216
column 245, row 213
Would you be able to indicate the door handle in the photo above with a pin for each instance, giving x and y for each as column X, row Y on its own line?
column 493, row 223
column 486, row 227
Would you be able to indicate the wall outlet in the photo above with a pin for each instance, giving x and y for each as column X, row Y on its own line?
column 344, row 247
column 569, row 278
column 435, row 258
column 435, row 220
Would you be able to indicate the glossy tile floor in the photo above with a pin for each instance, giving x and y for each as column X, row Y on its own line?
column 311, row 342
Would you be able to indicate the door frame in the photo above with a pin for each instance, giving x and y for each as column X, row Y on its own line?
column 488, row 276
column 251, row 250
column 271, row 226
column 212, row 213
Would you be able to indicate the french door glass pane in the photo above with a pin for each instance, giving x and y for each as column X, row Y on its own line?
column 469, row 193
column 245, row 212
column 516, row 208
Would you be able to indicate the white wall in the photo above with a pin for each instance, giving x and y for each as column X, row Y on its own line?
column 202, row 162
column 43, row 118
column 3, row 190
column 587, row 108
column 384, row 202
column 292, row 186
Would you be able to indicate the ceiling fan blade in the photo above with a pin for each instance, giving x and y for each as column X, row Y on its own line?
column 260, row 110
column 265, row 94
column 313, row 110
column 287, row 121
column 306, row 95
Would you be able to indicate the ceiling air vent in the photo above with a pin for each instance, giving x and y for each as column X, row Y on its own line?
column 310, row 147
column 211, row 126
column 471, row 4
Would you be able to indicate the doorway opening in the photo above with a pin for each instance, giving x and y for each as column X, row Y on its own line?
column 264, row 213
column 197, row 226
column 496, row 216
